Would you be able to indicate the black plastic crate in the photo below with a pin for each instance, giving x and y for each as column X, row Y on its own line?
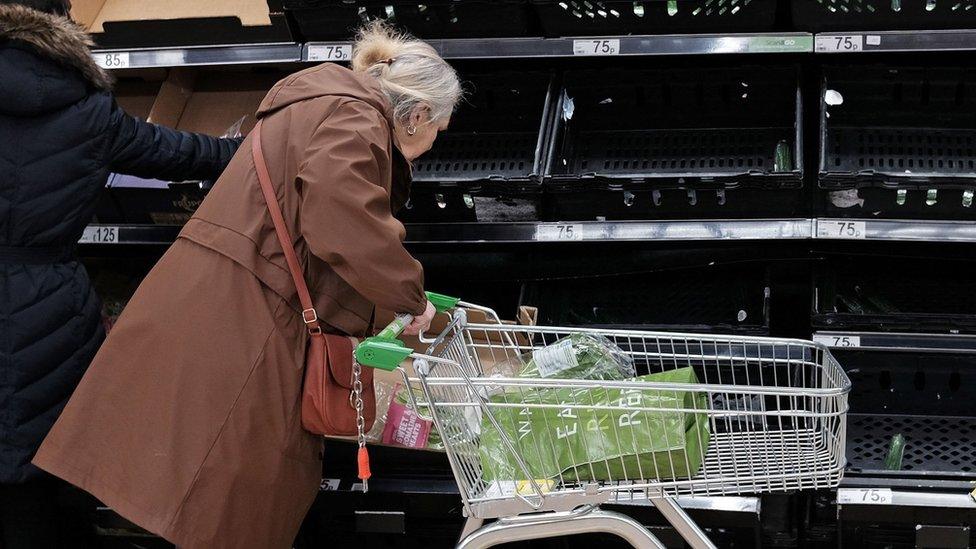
column 705, row 128
column 860, row 15
column 925, row 397
column 905, row 128
column 339, row 19
column 596, row 17
column 880, row 203
column 717, row 298
column 498, row 133
column 895, row 295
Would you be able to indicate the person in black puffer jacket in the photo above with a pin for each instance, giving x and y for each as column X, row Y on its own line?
column 61, row 133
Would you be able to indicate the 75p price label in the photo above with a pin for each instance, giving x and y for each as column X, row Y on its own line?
column 100, row 234
column 596, row 47
column 864, row 496
column 838, row 341
column 847, row 43
column 560, row 232
column 112, row 60
column 845, row 230
column 329, row 52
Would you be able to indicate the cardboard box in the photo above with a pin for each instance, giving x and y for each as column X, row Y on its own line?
column 202, row 101
column 149, row 23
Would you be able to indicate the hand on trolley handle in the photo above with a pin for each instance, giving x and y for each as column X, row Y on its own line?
column 779, row 430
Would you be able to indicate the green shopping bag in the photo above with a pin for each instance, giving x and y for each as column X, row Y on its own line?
column 586, row 444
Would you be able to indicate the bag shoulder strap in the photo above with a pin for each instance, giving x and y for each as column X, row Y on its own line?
column 267, row 189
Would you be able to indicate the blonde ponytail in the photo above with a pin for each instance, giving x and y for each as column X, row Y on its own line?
column 410, row 72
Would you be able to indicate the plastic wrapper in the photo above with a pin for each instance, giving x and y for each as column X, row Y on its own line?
column 578, row 444
column 577, row 356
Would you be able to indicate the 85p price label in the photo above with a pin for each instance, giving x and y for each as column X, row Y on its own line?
column 560, row 232
column 113, row 60
column 596, row 47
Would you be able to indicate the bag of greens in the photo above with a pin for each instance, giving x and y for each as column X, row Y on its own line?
column 583, row 444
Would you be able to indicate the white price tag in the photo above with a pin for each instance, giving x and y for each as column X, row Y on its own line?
column 100, row 234
column 839, row 229
column 864, row 496
column 112, row 60
column 838, row 340
column 609, row 46
column 329, row 52
column 559, row 232
column 329, row 485
column 555, row 358
column 839, row 43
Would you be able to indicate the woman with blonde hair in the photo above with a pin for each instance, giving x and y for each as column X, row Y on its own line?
column 188, row 422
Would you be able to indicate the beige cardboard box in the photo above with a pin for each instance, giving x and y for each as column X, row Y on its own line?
column 93, row 14
column 210, row 101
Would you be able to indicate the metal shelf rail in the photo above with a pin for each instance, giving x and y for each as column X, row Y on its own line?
column 619, row 231
column 238, row 54
column 465, row 48
column 889, row 341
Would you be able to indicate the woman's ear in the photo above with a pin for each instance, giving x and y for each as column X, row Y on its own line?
column 420, row 115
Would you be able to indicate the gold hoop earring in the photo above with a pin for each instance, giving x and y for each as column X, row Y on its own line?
column 411, row 130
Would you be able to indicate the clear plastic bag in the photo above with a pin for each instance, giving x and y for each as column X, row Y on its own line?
column 578, row 356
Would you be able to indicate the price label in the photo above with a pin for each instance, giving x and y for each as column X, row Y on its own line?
column 839, row 43
column 837, row 229
column 113, row 60
column 329, row 52
column 329, row 485
column 864, row 496
column 560, row 232
column 100, row 234
column 596, row 47
column 838, row 340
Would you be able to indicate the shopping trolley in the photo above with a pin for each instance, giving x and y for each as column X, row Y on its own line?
column 775, row 411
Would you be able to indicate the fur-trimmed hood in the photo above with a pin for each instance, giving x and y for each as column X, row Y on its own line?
column 56, row 38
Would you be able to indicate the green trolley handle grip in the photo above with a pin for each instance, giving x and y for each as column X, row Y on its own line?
column 384, row 350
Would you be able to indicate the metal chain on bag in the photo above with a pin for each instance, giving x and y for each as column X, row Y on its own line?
column 357, row 391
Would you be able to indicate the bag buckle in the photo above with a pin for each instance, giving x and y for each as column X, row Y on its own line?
column 311, row 319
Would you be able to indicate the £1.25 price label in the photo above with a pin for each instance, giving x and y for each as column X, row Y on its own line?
column 864, row 496
column 100, row 234
column 560, row 232
column 329, row 52
column 609, row 46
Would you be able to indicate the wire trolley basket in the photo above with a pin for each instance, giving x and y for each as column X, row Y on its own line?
column 540, row 455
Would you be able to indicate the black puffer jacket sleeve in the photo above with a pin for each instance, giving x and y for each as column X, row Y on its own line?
column 147, row 150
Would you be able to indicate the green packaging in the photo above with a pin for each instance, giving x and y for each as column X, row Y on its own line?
column 581, row 444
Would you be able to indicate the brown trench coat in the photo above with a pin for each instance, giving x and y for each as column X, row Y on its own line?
column 188, row 420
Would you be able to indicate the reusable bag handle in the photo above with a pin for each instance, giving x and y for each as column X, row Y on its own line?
column 309, row 316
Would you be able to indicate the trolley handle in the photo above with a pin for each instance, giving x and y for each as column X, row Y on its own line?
column 384, row 350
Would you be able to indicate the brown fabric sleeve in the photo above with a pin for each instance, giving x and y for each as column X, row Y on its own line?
column 345, row 213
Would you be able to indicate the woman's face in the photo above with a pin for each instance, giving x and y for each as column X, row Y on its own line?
column 424, row 133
